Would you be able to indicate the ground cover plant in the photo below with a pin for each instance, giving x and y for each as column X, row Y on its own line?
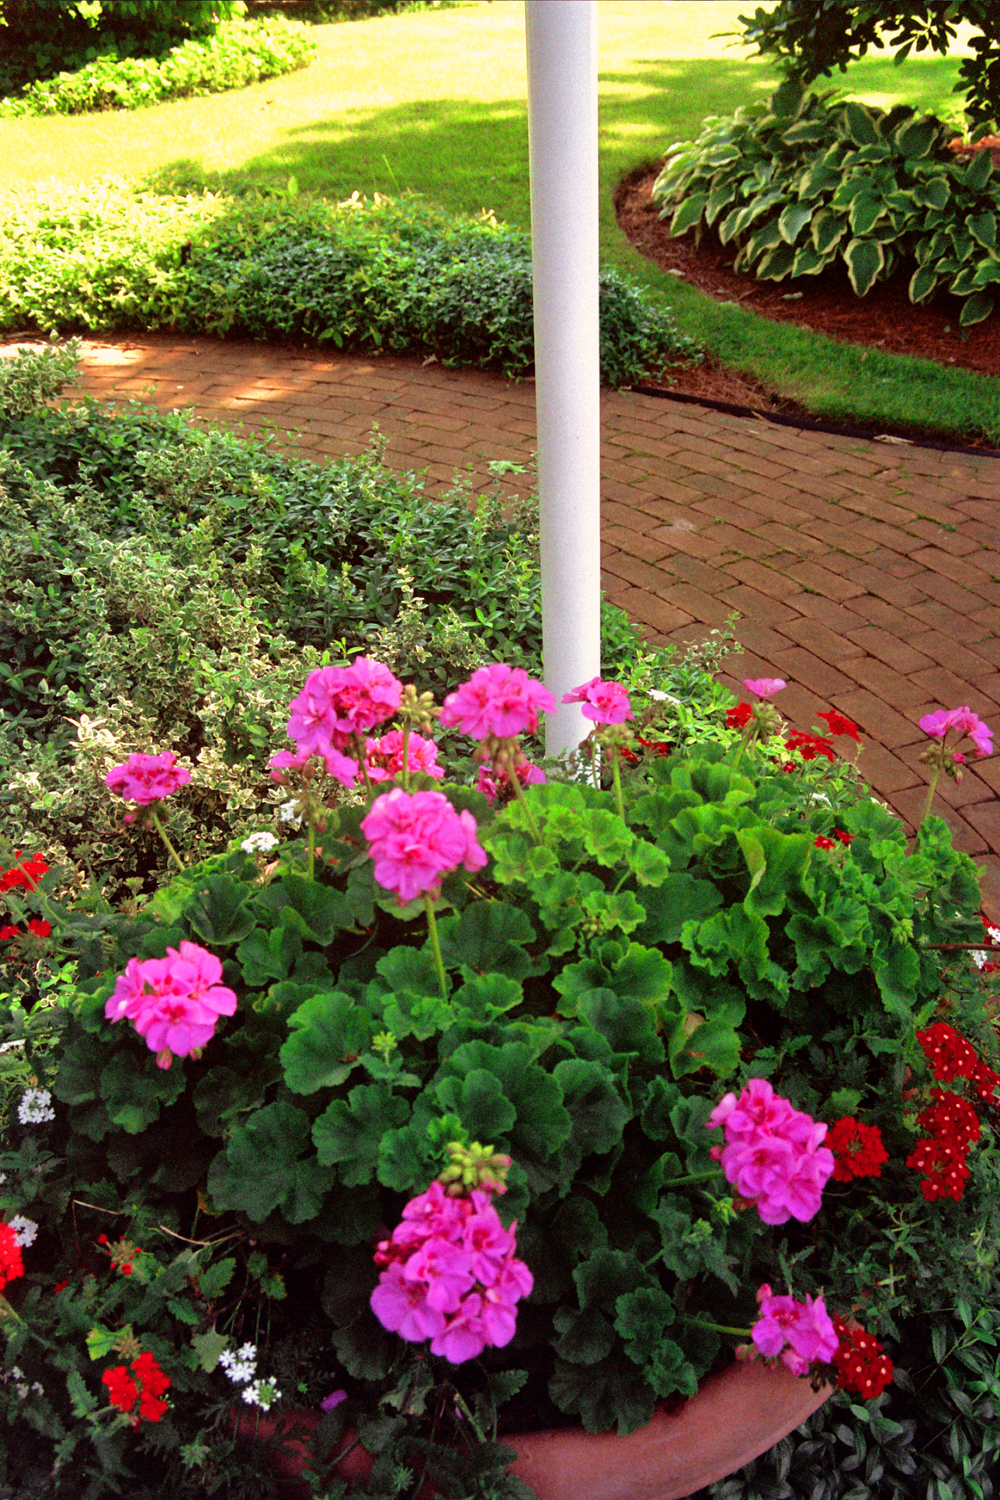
column 236, row 53
column 392, row 274
column 635, row 993
column 164, row 585
column 804, row 182
column 437, row 128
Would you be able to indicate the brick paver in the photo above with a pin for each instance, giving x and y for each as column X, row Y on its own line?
column 867, row 574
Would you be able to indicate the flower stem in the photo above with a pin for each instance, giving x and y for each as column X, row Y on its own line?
column 740, row 1333
column 435, row 944
column 312, row 849
column 406, row 755
column 930, row 797
column 692, row 1177
column 163, row 835
column 506, row 765
column 616, row 774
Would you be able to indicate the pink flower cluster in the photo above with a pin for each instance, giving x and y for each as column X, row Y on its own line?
column 603, row 702
column 384, row 757
column 174, row 1002
column 416, row 838
column 773, row 1154
column 798, row 1333
column 336, row 705
column 147, row 778
column 451, row 1275
column 965, row 721
column 497, row 700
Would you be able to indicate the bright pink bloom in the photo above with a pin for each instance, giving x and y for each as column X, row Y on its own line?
column 773, row 1154
column 416, row 838
column 965, row 721
column 603, row 702
column 526, row 773
column 465, row 1336
column 174, row 1002
column 805, row 1327
column 384, row 757
column 338, row 702
column 402, row 1307
column 764, row 687
column 147, row 778
column 498, row 700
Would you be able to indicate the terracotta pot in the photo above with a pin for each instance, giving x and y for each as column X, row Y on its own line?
column 734, row 1417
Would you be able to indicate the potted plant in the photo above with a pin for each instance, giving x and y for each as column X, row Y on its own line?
column 468, row 1112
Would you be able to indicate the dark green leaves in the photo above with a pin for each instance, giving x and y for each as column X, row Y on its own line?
column 328, row 1033
column 269, row 1164
column 350, row 1133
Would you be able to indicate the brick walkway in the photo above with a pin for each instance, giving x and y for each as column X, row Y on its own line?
column 865, row 573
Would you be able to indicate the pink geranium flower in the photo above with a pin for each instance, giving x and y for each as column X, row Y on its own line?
column 174, row 1002
column 965, row 721
column 497, row 700
column 335, row 704
column 603, row 702
column 773, row 1154
column 764, row 687
column 799, row 1333
column 416, row 838
column 384, row 757
column 147, row 778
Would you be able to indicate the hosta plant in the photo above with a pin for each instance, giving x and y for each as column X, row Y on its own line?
column 805, row 182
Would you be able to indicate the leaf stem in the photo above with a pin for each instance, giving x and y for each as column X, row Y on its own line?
column 930, row 797
column 740, row 1333
column 616, row 775
column 406, row 755
column 312, row 849
column 507, row 766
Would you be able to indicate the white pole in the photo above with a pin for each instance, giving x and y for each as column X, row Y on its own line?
column 562, row 133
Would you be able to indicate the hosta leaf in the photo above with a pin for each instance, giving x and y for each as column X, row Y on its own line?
column 804, row 131
column 858, row 124
column 914, row 138
column 932, row 193
column 979, row 171
column 864, row 260
column 865, row 211
column 987, row 273
column 765, row 239
column 793, row 220
column 718, row 199
column 983, row 227
column 976, row 308
column 687, row 213
column 776, row 263
column 922, row 284
column 809, row 262
column 828, row 227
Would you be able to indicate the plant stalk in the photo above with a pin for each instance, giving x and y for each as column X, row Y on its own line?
column 154, row 815
column 435, row 944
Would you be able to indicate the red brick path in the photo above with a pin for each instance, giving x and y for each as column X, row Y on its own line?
column 866, row 573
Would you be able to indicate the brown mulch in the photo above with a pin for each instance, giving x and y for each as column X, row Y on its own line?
column 885, row 319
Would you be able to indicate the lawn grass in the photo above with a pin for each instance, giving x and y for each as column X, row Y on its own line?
column 435, row 101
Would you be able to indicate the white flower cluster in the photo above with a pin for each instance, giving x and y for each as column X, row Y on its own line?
column 259, row 843
column 12, row 1046
column 35, row 1107
column 24, row 1390
column 263, row 1393
column 993, row 933
column 25, row 1230
column 241, row 1365
column 980, row 957
column 287, row 812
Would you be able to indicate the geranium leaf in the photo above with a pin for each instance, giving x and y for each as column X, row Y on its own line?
column 328, row 1034
column 269, row 1163
column 350, row 1133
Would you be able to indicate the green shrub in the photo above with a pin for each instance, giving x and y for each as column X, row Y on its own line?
column 804, row 183
column 236, row 54
column 393, row 275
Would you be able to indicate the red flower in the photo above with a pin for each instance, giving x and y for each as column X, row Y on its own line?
column 146, row 1385
column 11, row 1264
column 6, row 933
column 948, row 1054
column 860, row 1361
column 837, row 725
column 39, row 927
column 820, row 842
column 983, row 1079
column 739, row 717
column 942, row 1168
column 844, row 838
column 857, row 1149
column 24, row 873
column 951, row 1120
column 658, row 747
column 809, row 746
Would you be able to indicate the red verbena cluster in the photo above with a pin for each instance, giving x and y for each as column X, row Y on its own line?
column 37, row 925
column 950, row 1056
column 860, row 1362
column 857, row 1149
column 838, row 725
column 740, row 716
column 940, row 1156
column 11, row 1264
column 838, row 837
column 144, row 1386
column 808, row 745
column 121, row 1254
column 25, row 873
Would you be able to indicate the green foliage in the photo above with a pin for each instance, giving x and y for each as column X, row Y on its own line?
column 392, row 275
column 804, row 183
column 814, row 39
column 236, row 54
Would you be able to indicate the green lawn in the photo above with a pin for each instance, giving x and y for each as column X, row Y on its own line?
column 435, row 101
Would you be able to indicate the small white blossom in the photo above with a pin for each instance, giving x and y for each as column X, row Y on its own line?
column 259, row 843
column 661, row 697
column 241, row 1365
column 25, row 1230
column 35, row 1107
column 288, row 812
column 37, row 1389
column 993, row 933
column 12, row 1046
column 979, row 958
column 262, row 1393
